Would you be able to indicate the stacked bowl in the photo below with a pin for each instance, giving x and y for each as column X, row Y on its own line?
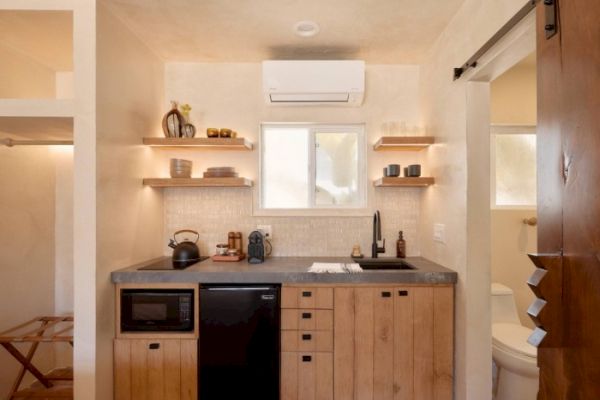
column 181, row 168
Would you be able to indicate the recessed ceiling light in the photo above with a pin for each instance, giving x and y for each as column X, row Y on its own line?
column 306, row 28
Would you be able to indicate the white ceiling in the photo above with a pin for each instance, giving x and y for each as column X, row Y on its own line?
column 45, row 36
column 377, row 31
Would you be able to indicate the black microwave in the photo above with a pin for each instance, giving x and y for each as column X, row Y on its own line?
column 152, row 310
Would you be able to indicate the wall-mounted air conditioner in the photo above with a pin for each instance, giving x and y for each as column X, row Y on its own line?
column 334, row 83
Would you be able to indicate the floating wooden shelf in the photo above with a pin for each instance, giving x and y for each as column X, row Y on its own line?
column 204, row 143
column 403, row 143
column 36, row 108
column 403, row 182
column 198, row 182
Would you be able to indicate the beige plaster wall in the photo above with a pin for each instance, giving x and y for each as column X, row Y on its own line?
column 129, row 217
column 22, row 77
column 511, row 241
column 230, row 95
column 27, row 249
column 513, row 95
column 444, row 111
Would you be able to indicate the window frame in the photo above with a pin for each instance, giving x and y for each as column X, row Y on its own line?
column 361, row 209
column 499, row 130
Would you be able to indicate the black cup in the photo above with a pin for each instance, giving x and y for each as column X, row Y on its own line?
column 393, row 170
column 413, row 170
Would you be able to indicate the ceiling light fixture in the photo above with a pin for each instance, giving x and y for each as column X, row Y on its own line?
column 306, row 28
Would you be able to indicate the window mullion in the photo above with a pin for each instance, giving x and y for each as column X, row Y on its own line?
column 312, row 168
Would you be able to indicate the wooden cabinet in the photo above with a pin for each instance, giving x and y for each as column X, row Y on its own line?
column 307, row 343
column 393, row 343
column 306, row 376
column 163, row 369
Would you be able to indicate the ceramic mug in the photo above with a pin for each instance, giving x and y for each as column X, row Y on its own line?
column 393, row 170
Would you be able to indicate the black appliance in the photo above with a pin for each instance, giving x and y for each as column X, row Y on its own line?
column 256, row 248
column 185, row 252
column 144, row 310
column 238, row 349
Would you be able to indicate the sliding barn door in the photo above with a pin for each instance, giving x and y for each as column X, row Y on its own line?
column 567, row 280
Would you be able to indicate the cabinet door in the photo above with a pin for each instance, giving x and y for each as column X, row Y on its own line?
column 383, row 343
column 306, row 376
column 155, row 369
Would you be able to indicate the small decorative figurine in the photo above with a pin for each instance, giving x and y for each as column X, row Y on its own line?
column 188, row 129
column 172, row 122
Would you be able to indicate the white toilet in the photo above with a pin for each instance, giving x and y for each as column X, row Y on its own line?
column 515, row 359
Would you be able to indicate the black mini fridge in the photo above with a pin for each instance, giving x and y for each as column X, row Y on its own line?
column 238, row 352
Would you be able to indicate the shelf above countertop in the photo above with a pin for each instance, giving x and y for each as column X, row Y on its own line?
column 403, row 143
column 240, row 144
column 37, row 108
column 403, row 182
column 197, row 182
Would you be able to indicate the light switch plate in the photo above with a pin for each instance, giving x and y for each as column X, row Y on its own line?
column 266, row 230
column 439, row 233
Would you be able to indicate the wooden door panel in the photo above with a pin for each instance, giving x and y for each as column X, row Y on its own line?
column 403, row 344
column 423, row 342
column 443, row 342
column 139, row 367
column 289, row 376
column 189, row 369
column 383, row 346
column 324, row 376
column 363, row 344
column 307, row 376
column 569, row 100
column 156, row 370
column 343, row 363
column 122, row 374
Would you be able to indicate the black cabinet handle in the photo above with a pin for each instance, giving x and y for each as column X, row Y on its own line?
column 306, row 315
column 306, row 358
column 306, row 336
column 154, row 346
column 306, row 294
column 386, row 294
column 402, row 292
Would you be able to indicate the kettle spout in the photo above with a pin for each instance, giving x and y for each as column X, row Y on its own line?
column 172, row 243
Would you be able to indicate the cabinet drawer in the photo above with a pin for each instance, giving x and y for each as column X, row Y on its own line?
column 307, row 319
column 308, row 297
column 307, row 341
column 306, row 376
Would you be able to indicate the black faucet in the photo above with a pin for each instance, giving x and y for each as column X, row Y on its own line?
column 375, row 249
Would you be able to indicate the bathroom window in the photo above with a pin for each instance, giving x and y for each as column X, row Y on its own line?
column 312, row 167
column 513, row 167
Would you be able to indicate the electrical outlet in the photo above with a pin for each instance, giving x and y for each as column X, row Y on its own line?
column 439, row 233
column 266, row 230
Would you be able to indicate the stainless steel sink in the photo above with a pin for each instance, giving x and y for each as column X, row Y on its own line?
column 384, row 263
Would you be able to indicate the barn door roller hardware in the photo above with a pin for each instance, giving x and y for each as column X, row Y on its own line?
column 522, row 13
column 551, row 21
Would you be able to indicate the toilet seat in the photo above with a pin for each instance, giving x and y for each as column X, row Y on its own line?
column 512, row 338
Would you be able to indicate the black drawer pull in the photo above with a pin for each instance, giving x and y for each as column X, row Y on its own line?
column 306, row 358
column 306, row 315
column 386, row 294
column 306, row 336
column 154, row 346
column 402, row 292
column 306, row 294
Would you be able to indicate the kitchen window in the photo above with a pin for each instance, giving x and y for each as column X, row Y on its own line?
column 312, row 167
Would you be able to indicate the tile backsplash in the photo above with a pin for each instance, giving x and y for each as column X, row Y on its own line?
column 213, row 212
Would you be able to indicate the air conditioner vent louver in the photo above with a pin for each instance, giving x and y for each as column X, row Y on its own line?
column 301, row 83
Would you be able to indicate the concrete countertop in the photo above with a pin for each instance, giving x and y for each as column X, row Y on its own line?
column 283, row 270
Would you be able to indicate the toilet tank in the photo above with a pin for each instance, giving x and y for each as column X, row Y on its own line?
column 504, row 308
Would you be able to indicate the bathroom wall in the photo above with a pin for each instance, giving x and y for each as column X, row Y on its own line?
column 27, row 205
column 230, row 95
column 511, row 241
column 513, row 95
column 513, row 100
column 129, row 216
column 443, row 103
